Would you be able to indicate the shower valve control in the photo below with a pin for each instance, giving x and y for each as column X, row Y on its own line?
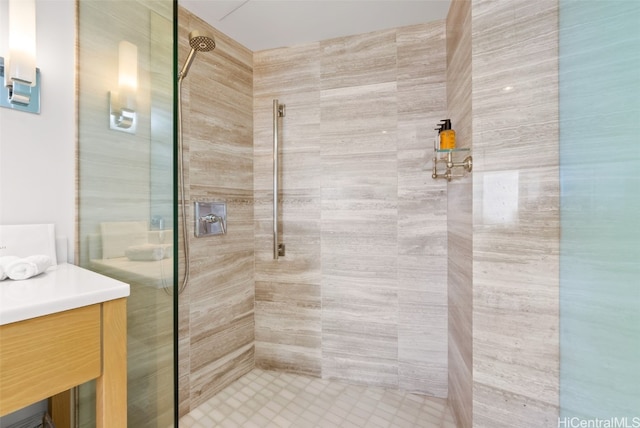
column 210, row 218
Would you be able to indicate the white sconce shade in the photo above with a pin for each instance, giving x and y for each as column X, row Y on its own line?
column 22, row 42
column 122, row 116
column 128, row 73
column 21, row 79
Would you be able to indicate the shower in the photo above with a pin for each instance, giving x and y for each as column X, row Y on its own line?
column 199, row 42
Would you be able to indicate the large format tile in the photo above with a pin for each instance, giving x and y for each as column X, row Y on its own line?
column 217, row 322
column 359, row 233
column 353, row 61
column 288, row 333
column 363, row 222
column 459, row 217
column 515, row 214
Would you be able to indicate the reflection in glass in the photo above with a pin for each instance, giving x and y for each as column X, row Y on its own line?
column 600, row 208
column 125, row 205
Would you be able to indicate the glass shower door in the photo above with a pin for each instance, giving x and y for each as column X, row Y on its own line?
column 126, row 187
column 600, row 213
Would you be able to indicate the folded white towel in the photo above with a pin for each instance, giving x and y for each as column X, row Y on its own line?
column 4, row 263
column 168, row 250
column 148, row 252
column 28, row 267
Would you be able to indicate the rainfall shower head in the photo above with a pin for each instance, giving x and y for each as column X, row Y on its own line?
column 199, row 42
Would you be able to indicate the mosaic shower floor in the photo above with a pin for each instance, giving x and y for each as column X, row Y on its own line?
column 263, row 399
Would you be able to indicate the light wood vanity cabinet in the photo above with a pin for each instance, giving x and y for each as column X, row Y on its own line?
column 46, row 355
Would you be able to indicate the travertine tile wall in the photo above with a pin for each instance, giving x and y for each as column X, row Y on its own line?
column 216, row 310
column 288, row 293
column 503, row 250
column 422, row 246
column 515, row 213
column 459, row 215
column 361, row 293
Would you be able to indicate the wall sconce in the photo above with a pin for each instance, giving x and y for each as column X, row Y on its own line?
column 20, row 89
column 122, row 104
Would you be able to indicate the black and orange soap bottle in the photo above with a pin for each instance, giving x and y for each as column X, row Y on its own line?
column 447, row 135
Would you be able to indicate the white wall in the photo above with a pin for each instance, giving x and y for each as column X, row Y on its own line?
column 37, row 152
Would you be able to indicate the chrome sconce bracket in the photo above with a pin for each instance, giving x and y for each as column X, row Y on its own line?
column 121, row 118
column 20, row 96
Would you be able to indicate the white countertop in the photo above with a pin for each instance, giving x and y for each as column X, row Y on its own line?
column 60, row 288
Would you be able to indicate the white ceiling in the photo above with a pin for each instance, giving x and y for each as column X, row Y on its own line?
column 266, row 24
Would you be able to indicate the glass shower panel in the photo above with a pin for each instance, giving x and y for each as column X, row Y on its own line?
column 125, row 187
column 600, row 211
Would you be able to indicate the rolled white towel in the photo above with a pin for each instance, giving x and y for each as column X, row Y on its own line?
column 28, row 267
column 4, row 263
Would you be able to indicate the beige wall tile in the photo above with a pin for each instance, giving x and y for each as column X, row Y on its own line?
column 216, row 310
column 421, row 209
column 358, row 60
column 503, row 249
column 362, row 220
column 288, row 327
column 515, row 214
column 288, row 296
column 459, row 216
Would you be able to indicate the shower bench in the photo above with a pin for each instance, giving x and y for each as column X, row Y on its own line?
column 59, row 330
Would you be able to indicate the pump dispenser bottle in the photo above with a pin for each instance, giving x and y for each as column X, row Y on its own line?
column 436, row 142
column 447, row 136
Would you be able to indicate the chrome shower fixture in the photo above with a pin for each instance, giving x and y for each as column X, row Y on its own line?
column 199, row 42
column 210, row 218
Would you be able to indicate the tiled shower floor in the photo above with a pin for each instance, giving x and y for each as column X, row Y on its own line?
column 272, row 399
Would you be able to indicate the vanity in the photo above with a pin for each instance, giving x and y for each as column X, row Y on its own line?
column 58, row 330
